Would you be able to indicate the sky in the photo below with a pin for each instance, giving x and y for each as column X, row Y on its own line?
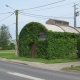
column 32, row 10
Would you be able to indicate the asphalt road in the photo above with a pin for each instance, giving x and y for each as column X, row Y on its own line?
column 14, row 71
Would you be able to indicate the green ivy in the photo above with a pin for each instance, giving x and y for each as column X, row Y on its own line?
column 61, row 45
column 57, row 44
column 29, row 34
column 78, row 48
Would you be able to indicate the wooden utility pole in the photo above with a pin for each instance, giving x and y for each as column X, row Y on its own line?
column 16, row 47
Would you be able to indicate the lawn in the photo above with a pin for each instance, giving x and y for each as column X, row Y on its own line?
column 10, row 54
column 7, row 51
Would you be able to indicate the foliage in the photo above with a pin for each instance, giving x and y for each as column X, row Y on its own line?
column 5, row 35
column 12, row 45
column 61, row 45
column 57, row 44
column 28, row 35
column 8, row 47
column 78, row 48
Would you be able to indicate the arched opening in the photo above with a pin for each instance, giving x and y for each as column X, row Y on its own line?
column 33, row 50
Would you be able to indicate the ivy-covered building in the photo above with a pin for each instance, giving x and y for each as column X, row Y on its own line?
column 48, row 41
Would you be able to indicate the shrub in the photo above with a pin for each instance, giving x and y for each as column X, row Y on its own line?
column 78, row 48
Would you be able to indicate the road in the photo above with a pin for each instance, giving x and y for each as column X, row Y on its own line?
column 15, row 71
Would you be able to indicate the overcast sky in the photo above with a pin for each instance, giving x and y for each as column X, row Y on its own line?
column 54, row 11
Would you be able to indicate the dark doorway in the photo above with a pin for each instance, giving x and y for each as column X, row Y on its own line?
column 33, row 50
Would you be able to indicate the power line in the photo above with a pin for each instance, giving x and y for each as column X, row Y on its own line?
column 43, row 5
column 34, row 16
column 41, row 16
column 25, row 21
column 6, row 17
column 5, row 13
column 69, row 14
column 31, row 20
column 50, row 7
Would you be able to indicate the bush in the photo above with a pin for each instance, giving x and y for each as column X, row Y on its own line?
column 8, row 47
column 5, row 48
column 78, row 48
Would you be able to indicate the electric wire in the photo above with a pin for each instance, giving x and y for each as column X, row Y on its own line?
column 6, row 17
column 41, row 16
column 6, row 13
column 48, row 8
column 42, row 5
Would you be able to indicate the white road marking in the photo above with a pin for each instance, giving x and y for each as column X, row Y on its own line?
column 24, row 76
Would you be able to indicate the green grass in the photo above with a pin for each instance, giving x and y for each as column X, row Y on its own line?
column 7, row 51
column 10, row 54
column 72, row 68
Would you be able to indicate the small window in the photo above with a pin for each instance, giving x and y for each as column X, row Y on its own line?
column 42, row 36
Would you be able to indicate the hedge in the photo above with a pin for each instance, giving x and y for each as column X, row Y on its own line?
column 61, row 45
column 9, row 47
column 57, row 44
column 78, row 48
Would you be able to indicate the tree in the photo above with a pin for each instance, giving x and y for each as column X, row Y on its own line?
column 12, row 46
column 5, row 35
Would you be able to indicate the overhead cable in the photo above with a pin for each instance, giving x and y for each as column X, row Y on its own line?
column 53, row 7
column 43, row 5
column 6, row 17
column 6, row 13
column 41, row 16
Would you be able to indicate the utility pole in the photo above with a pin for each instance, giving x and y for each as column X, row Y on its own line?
column 16, row 13
column 16, row 46
column 75, row 15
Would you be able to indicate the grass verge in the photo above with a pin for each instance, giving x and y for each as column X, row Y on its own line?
column 10, row 55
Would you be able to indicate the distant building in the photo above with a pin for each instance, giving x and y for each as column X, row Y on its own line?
column 57, row 22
